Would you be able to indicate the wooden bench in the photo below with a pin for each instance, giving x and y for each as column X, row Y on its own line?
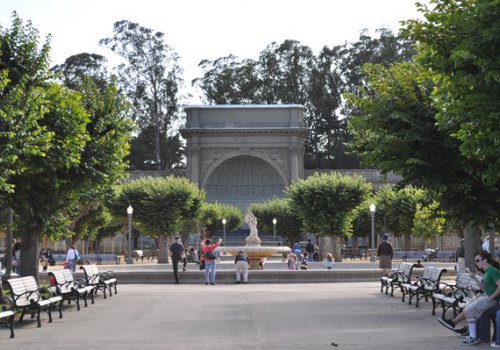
column 423, row 287
column 394, row 278
column 7, row 315
column 100, row 280
column 70, row 289
column 455, row 296
column 27, row 298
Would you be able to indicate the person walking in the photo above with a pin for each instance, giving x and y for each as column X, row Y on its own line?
column 210, row 259
column 177, row 250
column 385, row 253
column 310, row 250
column 242, row 263
column 72, row 257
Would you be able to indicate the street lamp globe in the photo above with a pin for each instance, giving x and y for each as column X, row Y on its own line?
column 130, row 210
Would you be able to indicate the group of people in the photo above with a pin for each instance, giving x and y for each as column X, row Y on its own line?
column 207, row 260
column 478, row 313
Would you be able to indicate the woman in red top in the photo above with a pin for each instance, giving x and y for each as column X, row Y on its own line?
column 210, row 258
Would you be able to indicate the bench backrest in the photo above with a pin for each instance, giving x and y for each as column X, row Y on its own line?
column 465, row 281
column 23, row 290
column 91, row 273
column 64, row 280
column 433, row 274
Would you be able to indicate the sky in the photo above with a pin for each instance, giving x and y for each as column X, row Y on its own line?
column 207, row 29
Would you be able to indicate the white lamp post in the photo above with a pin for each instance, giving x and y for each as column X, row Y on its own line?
column 274, row 229
column 224, row 225
column 130, row 211
column 372, row 212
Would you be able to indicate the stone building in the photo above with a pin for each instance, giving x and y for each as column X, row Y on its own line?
column 241, row 154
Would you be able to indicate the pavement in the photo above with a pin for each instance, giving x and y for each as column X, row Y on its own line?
column 228, row 316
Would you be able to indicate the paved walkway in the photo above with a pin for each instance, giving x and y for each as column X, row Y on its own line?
column 273, row 316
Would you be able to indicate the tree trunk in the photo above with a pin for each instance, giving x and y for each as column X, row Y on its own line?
column 407, row 243
column 332, row 244
column 472, row 245
column 163, row 249
column 29, row 252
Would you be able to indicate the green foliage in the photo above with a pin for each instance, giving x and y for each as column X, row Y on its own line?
column 288, row 224
column 429, row 221
column 325, row 203
column 459, row 42
column 150, row 77
column 290, row 73
column 62, row 144
column 161, row 205
column 210, row 219
column 397, row 132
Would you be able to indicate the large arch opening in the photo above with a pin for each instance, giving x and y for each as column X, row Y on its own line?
column 243, row 180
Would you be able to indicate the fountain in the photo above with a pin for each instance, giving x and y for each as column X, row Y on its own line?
column 252, row 248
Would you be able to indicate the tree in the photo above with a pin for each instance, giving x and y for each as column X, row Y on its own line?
column 289, row 72
column 161, row 205
column 459, row 42
column 210, row 219
column 150, row 76
column 109, row 121
column 326, row 203
column 61, row 161
column 397, row 132
column 288, row 224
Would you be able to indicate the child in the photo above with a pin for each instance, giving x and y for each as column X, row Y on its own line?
column 303, row 262
column 290, row 262
column 329, row 262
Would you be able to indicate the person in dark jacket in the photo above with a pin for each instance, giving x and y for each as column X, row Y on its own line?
column 385, row 253
column 310, row 250
column 177, row 250
column 242, row 263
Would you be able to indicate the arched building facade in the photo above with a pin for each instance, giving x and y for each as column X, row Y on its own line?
column 241, row 154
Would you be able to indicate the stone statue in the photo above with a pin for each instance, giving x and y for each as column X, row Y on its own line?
column 251, row 221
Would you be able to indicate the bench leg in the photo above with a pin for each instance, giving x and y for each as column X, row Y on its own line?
column 77, row 300
column 115, row 287
column 84, row 295
column 38, row 317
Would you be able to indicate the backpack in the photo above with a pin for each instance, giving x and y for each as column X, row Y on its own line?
column 210, row 255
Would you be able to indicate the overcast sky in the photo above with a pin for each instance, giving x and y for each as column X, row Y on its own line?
column 208, row 29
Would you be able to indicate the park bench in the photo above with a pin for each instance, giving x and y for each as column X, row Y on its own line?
column 394, row 278
column 70, row 289
column 7, row 314
column 100, row 280
column 27, row 297
column 423, row 287
column 98, row 259
column 353, row 253
column 455, row 296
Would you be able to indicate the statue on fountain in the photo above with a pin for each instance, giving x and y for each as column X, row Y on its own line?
column 251, row 220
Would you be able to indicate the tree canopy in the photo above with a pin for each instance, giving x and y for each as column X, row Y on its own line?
column 459, row 42
column 150, row 77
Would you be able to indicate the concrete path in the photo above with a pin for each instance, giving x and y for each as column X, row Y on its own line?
column 259, row 316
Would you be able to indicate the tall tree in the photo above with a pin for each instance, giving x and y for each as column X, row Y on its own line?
column 150, row 76
column 77, row 151
column 459, row 42
column 397, row 132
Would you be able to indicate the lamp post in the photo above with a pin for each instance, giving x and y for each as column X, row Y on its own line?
column 129, row 259
column 224, row 225
column 274, row 229
column 372, row 212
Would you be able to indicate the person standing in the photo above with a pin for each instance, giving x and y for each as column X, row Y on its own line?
column 210, row 259
column 242, row 263
column 16, row 256
column 460, row 258
column 177, row 250
column 385, row 253
column 72, row 257
column 310, row 250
